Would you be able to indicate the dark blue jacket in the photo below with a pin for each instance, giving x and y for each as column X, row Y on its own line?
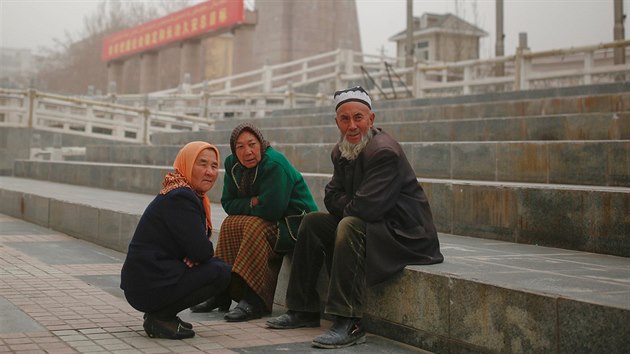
column 172, row 227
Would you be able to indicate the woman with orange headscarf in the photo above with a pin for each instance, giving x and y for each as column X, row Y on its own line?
column 170, row 263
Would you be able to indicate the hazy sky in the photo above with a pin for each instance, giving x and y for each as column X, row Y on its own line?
column 549, row 23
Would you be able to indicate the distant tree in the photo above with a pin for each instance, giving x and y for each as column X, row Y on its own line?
column 73, row 65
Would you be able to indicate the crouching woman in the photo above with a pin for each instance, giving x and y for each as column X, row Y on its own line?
column 170, row 263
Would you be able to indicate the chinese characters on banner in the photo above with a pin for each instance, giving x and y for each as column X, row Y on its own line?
column 184, row 24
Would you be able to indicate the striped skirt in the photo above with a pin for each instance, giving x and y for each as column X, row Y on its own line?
column 246, row 243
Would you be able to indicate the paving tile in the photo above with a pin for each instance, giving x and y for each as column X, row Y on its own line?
column 69, row 298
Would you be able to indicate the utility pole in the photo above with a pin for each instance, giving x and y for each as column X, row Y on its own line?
column 409, row 42
column 620, row 52
column 499, row 46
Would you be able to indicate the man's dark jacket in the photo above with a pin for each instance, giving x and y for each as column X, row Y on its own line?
column 381, row 188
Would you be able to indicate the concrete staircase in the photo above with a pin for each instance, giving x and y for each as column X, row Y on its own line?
column 508, row 173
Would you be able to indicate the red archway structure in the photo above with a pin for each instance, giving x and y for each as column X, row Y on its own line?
column 185, row 27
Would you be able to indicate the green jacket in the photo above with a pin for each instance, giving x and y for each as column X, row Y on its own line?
column 280, row 188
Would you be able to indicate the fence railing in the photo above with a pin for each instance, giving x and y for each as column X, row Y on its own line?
column 305, row 83
column 49, row 112
column 309, row 81
column 221, row 106
column 523, row 71
column 257, row 93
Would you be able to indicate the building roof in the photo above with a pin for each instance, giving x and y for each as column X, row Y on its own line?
column 431, row 23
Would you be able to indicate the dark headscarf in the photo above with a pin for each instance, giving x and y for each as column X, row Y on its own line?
column 248, row 176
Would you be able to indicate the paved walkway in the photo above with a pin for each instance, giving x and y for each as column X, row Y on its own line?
column 59, row 294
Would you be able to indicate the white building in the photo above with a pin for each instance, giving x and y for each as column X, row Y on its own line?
column 17, row 67
column 444, row 38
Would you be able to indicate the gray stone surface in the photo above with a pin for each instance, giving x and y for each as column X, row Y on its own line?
column 570, row 216
column 500, row 319
column 593, row 126
column 515, row 170
column 594, row 325
column 67, row 252
column 488, row 295
column 374, row 344
column 603, row 163
column 14, row 320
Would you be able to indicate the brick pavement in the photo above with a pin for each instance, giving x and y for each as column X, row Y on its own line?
column 59, row 294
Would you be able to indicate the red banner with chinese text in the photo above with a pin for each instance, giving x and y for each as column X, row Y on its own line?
column 184, row 24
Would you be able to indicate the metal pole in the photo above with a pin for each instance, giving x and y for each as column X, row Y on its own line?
column 32, row 94
column 409, row 40
column 499, row 46
column 620, row 52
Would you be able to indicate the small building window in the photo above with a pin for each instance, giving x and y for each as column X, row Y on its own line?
column 422, row 50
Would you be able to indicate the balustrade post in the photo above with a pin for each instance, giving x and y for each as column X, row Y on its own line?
column 111, row 91
column 289, row 101
column 32, row 96
column 345, row 66
column 521, row 72
column 266, row 78
column 146, row 137
column 588, row 67
column 205, row 96
column 260, row 105
column 467, row 79
column 304, row 72
column 349, row 62
column 338, row 70
column 89, row 112
column 320, row 99
column 418, row 83
column 522, row 64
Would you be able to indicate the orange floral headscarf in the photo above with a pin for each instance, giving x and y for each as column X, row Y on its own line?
column 182, row 176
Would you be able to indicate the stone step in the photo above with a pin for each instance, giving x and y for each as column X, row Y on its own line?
column 582, row 126
column 487, row 296
column 19, row 143
column 603, row 163
column 610, row 97
column 585, row 218
column 453, row 109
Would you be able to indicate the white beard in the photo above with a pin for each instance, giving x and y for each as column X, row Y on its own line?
column 351, row 151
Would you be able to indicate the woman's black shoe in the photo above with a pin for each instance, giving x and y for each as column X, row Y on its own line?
column 243, row 312
column 169, row 329
column 221, row 302
column 182, row 322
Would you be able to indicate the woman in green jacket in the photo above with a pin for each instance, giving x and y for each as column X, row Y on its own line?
column 260, row 189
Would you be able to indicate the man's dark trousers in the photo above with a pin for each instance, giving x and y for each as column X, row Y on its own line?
column 341, row 244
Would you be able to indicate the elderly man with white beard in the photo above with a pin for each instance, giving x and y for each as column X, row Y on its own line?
column 378, row 222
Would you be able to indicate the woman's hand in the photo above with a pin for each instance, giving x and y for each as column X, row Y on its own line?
column 189, row 263
column 253, row 201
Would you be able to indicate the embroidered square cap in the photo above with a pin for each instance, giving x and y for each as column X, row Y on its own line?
column 352, row 94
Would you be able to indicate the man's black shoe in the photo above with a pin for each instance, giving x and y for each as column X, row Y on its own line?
column 345, row 331
column 294, row 319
